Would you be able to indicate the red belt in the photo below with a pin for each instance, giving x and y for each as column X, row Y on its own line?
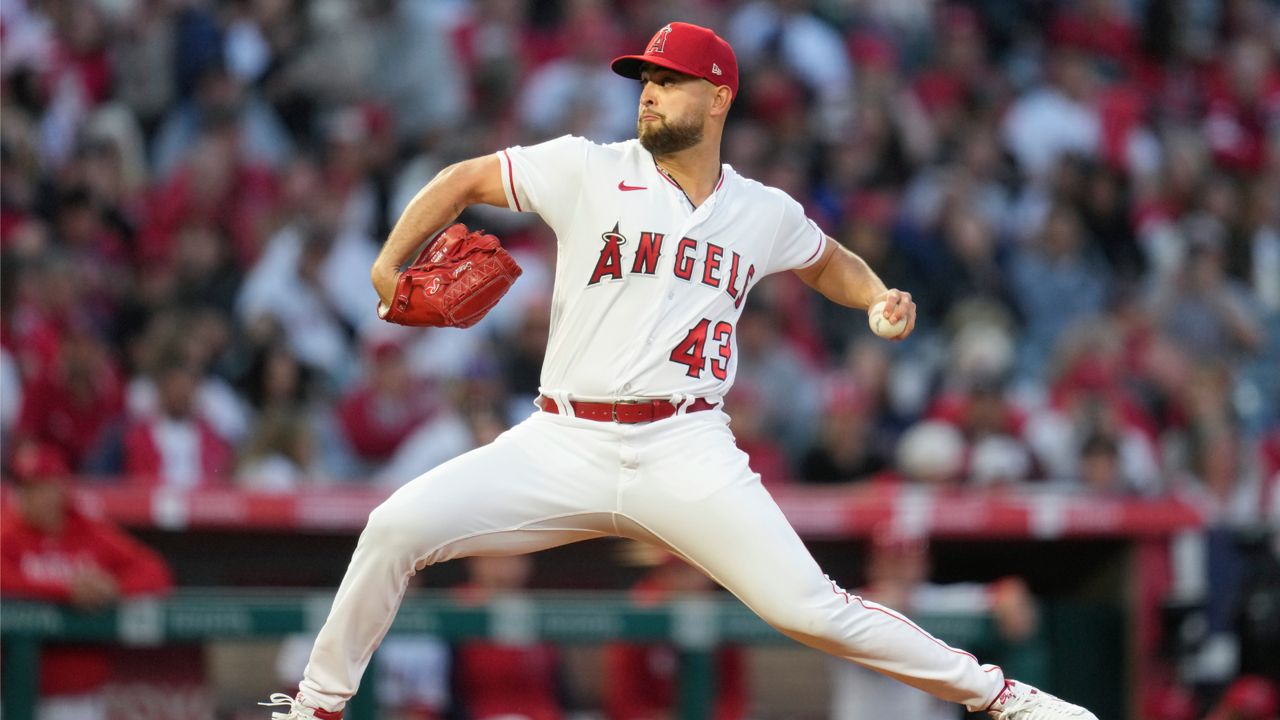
column 627, row 412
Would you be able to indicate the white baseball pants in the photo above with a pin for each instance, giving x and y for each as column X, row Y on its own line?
column 680, row 483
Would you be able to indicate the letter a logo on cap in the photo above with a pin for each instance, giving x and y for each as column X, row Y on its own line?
column 659, row 40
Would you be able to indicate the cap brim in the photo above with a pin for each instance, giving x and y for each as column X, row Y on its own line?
column 628, row 66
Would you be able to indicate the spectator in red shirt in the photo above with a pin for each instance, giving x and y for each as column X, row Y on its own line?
column 386, row 407
column 51, row 551
column 496, row 681
column 177, row 447
column 72, row 400
column 960, row 75
column 1244, row 104
column 36, row 294
column 979, row 410
column 641, row 680
column 214, row 186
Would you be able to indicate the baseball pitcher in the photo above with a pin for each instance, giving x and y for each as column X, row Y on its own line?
column 658, row 245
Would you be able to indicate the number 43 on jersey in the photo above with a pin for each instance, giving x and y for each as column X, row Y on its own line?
column 690, row 351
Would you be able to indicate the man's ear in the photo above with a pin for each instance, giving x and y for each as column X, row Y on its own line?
column 721, row 101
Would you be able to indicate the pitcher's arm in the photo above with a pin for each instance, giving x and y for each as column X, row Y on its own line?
column 452, row 190
column 845, row 278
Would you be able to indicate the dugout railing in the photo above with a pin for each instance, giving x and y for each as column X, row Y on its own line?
column 695, row 626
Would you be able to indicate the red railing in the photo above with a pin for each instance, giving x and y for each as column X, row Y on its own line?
column 827, row 513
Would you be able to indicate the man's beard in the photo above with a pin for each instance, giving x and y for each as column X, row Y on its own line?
column 665, row 138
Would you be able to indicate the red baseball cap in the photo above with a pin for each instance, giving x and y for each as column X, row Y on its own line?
column 37, row 463
column 689, row 49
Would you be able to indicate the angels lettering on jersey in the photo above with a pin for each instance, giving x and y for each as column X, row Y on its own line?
column 690, row 253
column 648, row 288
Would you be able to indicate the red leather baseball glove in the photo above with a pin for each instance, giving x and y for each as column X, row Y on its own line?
column 454, row 281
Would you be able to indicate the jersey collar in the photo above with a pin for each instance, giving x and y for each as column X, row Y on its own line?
column 714, row 192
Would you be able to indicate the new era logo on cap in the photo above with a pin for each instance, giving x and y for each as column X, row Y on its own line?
column 689, row 49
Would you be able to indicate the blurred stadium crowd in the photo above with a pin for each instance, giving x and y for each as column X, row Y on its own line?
column 1083, row 196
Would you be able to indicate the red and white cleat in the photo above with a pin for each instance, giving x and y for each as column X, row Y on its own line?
column 1020, row 701
column 298, row 710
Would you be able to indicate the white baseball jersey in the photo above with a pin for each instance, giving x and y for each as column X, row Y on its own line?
column 648, row 289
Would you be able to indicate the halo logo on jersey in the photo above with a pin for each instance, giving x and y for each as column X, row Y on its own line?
column 659, row 40
column 610, row 262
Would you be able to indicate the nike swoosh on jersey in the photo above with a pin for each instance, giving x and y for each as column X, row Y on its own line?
column 624, row 187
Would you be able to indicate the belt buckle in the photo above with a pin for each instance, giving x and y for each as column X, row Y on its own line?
column 613, row 409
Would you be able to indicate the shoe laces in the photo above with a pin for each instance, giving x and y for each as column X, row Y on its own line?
column 279, row 700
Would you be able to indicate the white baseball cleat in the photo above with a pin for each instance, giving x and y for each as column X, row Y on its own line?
column 298, row 710
column 1020, row 701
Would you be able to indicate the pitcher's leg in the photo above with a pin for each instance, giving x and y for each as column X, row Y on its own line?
column 707, row 505
column 521, row 493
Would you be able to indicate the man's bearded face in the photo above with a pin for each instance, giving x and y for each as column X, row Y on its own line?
column 667, row 135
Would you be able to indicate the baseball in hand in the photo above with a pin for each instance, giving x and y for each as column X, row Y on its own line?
column 880, row 324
